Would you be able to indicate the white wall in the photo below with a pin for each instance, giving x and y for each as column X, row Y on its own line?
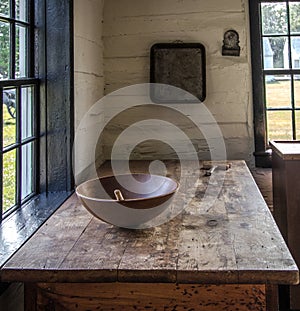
column 131, row 27
column 88, row 64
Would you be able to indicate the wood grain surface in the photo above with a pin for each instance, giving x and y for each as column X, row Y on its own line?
column 145, row 296
column 225, row 236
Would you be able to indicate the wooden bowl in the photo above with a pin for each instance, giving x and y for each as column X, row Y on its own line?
column 128, row 200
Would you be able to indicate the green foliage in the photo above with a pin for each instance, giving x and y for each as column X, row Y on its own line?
column 4, row 42
column 4, row 50
column 9, row 161
column 295, row 17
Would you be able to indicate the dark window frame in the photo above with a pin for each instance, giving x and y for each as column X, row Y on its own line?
column 16, row 83
column 53, row 68
column 262, row 152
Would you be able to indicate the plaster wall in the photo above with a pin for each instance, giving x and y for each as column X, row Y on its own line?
column 131, row 27
column 88, row 70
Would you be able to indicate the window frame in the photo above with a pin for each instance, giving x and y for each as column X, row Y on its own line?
column 20, row 142
column 262, row 150
column 18, row 83
column 53, row 68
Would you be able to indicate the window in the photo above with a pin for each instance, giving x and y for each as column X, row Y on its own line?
column 36, row 94
column 275, row 38
column 36, row 85
column 18, row 89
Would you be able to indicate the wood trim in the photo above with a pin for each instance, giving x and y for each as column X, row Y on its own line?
column 54, row 67
column 262, row 159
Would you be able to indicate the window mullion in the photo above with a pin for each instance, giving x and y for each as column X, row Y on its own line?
column 19, row 148
column 291, row 69
column 12, row 41
column 36, row 131
column 31, row 56
column 293, row 106
column 1, row 154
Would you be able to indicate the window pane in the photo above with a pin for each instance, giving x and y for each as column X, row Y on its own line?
column 274, row 18
column 21, row 10
column 9, row 117
column 294, row 17
column 295, row 46
column 21, row 51
column 4, row 50
column 4, row 7
column 27, row 170
column 278, row 91
column 297, row 124
column 9, row 179
column 27, row 112
column 279, row 125
column 297, row 90
column 276, row 52
column 268, row 54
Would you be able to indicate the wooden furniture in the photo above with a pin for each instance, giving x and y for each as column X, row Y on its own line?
column 230, row 256
column 286, row 198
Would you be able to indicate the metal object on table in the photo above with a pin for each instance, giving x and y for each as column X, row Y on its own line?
column 210, row 171
column 118, row 194
column 211, row 168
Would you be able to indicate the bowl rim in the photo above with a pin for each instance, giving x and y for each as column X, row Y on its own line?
column 127, row 200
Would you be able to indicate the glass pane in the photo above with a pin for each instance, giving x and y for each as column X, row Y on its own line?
column 295, row 47
column 9, row 117
column 21, row 51
column 297, row 125
column 4, row 7
column 27, row 112
column 21, row 10
column 274, row 18
column 279, row 125
column 278, row 91
column 9, row 179
column 297, row 90
column 294, row 17
column 27, row 170
column 276, row 52
column 4, row 50
column 268, row 54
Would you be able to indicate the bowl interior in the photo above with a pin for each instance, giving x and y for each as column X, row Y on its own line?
column 132, row 187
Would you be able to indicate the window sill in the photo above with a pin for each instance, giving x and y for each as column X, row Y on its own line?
column 23, row 223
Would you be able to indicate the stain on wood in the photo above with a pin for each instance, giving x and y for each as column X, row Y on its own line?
column 130, row 296
column 225, row 237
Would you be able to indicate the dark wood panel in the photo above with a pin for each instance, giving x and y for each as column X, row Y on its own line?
column 133, row 296
column 53, row 66
column 12, row 298
column 59, row 93
column 286, row 196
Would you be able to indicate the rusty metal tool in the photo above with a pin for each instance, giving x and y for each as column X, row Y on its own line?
column 211, row 169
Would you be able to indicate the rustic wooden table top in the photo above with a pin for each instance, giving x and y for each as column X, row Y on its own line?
column 233, row 241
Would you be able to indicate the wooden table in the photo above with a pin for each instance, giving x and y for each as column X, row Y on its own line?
column 286, row 199
column 230, row 257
